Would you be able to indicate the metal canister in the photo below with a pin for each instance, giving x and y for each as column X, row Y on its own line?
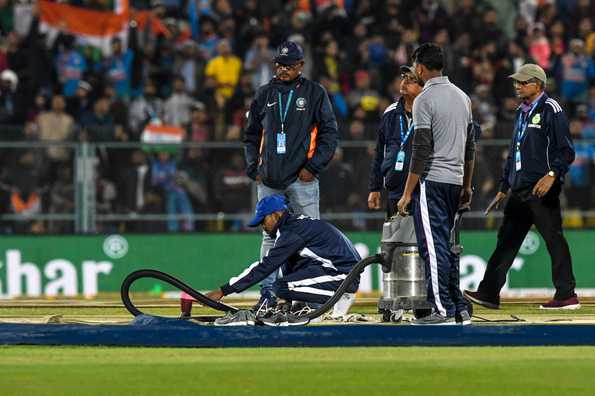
column 403, row 277
column 408, row 275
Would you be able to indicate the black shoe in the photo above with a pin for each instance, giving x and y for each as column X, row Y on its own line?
column 267, row 301
column 284, row 318
column 434, row 319
column 264, row 310
column 242, row 317
column 463, row 318
column 478, row 298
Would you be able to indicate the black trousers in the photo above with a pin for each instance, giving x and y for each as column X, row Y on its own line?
column 521, row 212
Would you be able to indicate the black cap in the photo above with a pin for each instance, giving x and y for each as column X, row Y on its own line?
column 406, row 69
column 289, row 53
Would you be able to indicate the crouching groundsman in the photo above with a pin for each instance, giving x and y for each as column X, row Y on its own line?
column 314, row 258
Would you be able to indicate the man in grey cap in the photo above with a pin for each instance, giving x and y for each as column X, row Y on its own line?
column 540, row 154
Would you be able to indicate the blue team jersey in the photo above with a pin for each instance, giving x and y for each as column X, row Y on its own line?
column 71, row 65
column 580, row 175
column 118, row 72
column 163, row 174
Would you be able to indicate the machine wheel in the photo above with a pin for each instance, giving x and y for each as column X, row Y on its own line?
column 396, row 316
column 385, row 315
column 392, row 316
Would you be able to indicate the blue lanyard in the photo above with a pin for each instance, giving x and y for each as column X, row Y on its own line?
column 283, row 114
column 522, row 123
column 404, row 137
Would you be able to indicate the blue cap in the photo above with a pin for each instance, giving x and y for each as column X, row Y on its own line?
column 266, row 206
column 289, row 53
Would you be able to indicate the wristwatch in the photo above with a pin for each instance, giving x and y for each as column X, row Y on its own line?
column 551, row 173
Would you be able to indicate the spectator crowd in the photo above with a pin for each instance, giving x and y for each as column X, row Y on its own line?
column 200, row 71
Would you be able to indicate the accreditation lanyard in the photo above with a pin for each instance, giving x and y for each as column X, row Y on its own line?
column 405, row 135
column 522, row 123
column 521, row 127
column 400, row 163
column 281, row 140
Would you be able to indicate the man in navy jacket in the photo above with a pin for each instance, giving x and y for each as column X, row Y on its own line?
column 540, row 154
column 393, row 145
column 290, row 137
column 314, row 256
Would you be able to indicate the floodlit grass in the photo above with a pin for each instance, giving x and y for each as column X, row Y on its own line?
column 303, row 371
column 435, row 371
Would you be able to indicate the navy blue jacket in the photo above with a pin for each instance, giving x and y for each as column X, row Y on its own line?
column 388, row 144
column 547, row 146
column 301, row 242
column 310, row 130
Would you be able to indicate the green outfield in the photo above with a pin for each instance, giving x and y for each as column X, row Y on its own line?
column 304, row 371
column 27, row 370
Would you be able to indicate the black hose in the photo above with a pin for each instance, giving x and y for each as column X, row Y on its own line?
column 219, row 306
column 149, row 273
column 355, row 272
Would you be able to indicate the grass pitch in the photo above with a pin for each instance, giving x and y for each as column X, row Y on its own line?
column 292, row 371
column 438, row 371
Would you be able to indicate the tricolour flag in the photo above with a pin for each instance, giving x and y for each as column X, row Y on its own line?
column 162, row 134
column 96, row 28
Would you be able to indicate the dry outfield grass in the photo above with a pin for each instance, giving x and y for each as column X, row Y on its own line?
column 297, row 371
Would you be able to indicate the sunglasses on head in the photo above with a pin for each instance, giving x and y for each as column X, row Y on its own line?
column 410, row 78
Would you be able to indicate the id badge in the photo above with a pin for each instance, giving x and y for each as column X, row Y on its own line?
column 281, row 143
column 517, row 160
column 400, row 161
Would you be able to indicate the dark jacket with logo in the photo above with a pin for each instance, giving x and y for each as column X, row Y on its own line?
column 301, row 243
column 547, row 146
column 310, row 132
column 388, row 144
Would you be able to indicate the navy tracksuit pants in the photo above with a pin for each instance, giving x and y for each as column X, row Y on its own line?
column 313, row 284
column 434, row 208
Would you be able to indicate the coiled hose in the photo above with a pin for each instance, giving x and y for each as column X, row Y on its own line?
column 219, row 306
column 162, row 276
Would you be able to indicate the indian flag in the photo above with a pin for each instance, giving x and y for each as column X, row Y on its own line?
column 162, row 134
column 96, row 28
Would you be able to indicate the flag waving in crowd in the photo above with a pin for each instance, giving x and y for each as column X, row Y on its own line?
column 92, row 27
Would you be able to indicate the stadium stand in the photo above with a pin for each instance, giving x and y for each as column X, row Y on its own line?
column 195, row 65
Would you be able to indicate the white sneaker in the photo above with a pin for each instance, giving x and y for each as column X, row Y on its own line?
column 342, row 306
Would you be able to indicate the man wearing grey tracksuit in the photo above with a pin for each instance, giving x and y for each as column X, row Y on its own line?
column 442, row 163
